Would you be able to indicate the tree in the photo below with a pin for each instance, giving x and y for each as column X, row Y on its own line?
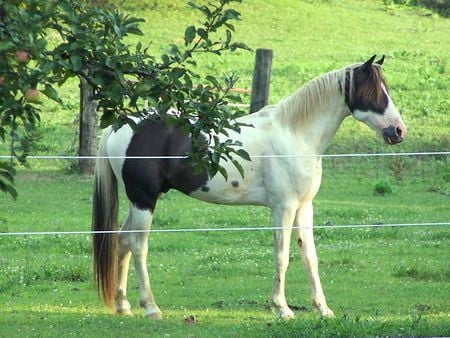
column 88, row 128
column 92, row 47
column 22, row 47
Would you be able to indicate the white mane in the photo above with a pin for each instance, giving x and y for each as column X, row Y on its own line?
column 306, row 102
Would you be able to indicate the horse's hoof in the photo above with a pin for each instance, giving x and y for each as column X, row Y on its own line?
column 124, row 312
column 323, row 309
column 283, row 313
column 154, row 316
column 286, row 314
column 327, row 313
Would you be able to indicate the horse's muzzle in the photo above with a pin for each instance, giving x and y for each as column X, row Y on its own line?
column 393, row 135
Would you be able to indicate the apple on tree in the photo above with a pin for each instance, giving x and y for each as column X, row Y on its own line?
column 22, row 56
column 32, row 95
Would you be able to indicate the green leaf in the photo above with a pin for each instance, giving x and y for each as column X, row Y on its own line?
column 202, row 33
column 174, row 50
column 118, row 30
column 165, row 59
column 239, row 45
column 108, row 62
column 204, row 9
column 189, row 35
column 232, row 14
column 51, row 93
column 75, row 60
column 135, row 31
column 215, row 157
column 5, row 45
column 227, row 42
column 142, row 88
column 213, row 80
column 238, row 167
column 107, row 118
column 223, row 172
column 242, row 153
column 176, row 73
column 7, row 173
column 8, row 188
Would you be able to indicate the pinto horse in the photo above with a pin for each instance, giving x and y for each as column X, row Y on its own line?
column 303, row 123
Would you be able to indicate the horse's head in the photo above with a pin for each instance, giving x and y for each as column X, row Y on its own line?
column 368, row 99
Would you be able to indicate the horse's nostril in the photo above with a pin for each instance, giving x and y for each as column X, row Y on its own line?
column 398, row 131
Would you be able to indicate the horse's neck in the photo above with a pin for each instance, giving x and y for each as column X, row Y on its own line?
column 321, row 130
column 315, row 112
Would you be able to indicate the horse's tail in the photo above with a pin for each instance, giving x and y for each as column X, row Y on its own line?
column 104, row 219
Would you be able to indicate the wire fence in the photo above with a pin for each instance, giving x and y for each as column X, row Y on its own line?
column 232, row 229
column 271, row 228
column 78, row 157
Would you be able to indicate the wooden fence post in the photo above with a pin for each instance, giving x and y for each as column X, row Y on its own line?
column 261, row 79
column 88, row 128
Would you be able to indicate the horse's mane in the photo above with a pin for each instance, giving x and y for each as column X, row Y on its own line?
column 298, row 108
column 321, row 92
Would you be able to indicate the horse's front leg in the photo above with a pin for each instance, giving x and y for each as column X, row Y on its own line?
column 305, row 239
column 284, row 218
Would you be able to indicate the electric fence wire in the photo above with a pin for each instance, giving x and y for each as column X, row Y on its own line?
column 347, row 226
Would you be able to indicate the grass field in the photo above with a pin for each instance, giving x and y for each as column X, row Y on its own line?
column 379, row 281
column 389, row 281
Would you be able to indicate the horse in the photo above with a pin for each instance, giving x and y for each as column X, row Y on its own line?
column 303, row 123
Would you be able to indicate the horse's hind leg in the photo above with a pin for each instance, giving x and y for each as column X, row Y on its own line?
column 141, row 220
column 123, row 307
column 305, row 239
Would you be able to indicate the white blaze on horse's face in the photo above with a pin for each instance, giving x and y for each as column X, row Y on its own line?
column 369, row 101
column 388, row 124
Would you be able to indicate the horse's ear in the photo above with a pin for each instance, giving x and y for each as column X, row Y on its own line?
column 380, row 61
column 368, row 63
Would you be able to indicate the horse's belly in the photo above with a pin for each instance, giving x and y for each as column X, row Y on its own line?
column 232, row 191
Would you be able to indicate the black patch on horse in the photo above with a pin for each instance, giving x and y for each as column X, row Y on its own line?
column 145, row 179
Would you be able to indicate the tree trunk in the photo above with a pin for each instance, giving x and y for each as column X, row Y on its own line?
column 88, row 128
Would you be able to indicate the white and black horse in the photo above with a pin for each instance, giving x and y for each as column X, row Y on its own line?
column 304, row 124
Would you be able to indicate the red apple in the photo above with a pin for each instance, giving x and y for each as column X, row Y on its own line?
column 22, row 56
column 2, row 80
column 32, row 95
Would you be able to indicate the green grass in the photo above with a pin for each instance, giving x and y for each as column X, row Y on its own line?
column 379, row 282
